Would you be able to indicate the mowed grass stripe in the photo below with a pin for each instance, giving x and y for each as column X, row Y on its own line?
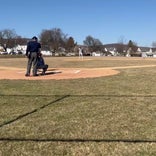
column 129, row 115
column 87, row 118
column 28, row 113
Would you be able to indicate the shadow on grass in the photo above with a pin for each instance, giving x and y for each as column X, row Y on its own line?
column 77, row 140
column 33, row 111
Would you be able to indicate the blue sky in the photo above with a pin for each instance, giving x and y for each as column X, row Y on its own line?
column 106, row 20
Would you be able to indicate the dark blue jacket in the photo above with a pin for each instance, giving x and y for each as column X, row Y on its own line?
column 33, row 46
column 40, row 62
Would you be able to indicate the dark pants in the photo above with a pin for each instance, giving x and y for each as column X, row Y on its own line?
column 44, row 67
column 32, row 60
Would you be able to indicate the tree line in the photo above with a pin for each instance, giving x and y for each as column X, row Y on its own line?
column 54, row 39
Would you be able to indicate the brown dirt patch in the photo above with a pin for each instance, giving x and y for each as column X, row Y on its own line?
column 63, row 73
column 57, row 74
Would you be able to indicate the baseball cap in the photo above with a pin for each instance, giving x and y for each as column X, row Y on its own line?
column 34, row 38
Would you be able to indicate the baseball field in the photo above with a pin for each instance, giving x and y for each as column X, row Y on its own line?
column 96, row 106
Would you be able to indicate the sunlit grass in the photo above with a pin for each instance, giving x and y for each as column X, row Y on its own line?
column 95, row 116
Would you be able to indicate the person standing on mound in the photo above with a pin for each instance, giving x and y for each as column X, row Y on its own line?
column 32, row 51
column 80, row 52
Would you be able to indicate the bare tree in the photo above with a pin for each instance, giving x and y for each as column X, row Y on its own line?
column 93, row 44
column 7, row 37
column 121, row 45
column 53, row 39
column 21, row 41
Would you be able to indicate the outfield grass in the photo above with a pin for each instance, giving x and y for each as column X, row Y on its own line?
column 113, row 115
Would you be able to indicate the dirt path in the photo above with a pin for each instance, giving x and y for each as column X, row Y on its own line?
column 63, row 73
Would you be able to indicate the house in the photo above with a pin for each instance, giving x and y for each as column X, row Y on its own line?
column 96, row 54
column 47, row 53
column 145, row 51
column 111, row 50
column 19, row 49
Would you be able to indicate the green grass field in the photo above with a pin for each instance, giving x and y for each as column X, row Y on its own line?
column 105, row 116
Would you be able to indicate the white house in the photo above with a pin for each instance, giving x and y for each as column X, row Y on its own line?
column 47, row 53
column 96, row 54
column 145, row 51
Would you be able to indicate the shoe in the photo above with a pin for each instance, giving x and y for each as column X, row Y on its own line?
column 35, row 75
column 27, row 74
column 43, row 73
